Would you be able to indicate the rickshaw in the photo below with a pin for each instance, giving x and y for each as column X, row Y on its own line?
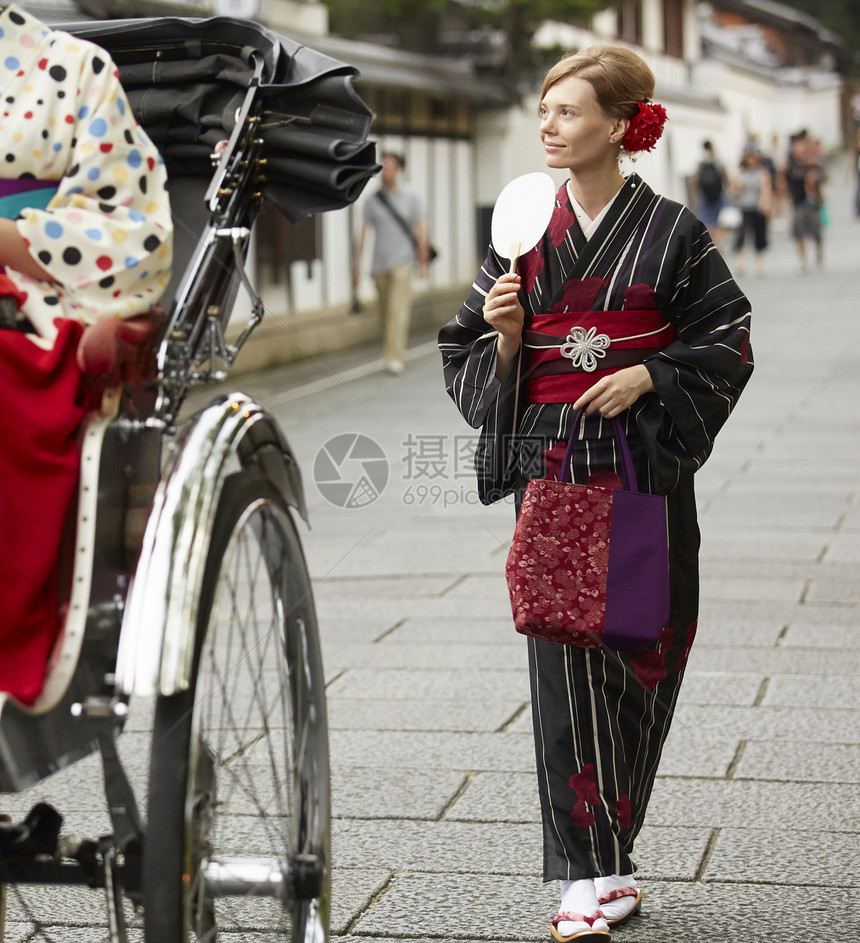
column 187, row 581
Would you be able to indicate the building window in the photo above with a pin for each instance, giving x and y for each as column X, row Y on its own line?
column 673, row 28
column 278, row 244
column 398, row 111
column 630, row 23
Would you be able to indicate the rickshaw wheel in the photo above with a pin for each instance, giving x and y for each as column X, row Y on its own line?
column 237, row 838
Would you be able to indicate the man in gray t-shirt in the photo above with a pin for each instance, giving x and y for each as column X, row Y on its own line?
column 400, row 243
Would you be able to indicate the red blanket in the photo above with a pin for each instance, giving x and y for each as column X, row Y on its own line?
column 39, row 461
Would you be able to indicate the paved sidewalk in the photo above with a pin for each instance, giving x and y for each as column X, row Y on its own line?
column 752, row 831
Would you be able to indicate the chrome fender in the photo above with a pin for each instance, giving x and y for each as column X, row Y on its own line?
column 156, row 645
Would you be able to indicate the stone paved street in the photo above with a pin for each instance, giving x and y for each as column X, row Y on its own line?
column 752, row 833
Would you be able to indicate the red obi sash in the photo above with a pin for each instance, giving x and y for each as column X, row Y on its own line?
column 566, row 353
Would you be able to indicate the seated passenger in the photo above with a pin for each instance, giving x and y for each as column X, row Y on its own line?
column 85, row 234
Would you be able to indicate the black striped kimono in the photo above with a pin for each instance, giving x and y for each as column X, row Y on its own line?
column 601, row 718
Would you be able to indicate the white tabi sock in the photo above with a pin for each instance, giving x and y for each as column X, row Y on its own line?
column 579, row 897
column 613, row 882
column 615, row 909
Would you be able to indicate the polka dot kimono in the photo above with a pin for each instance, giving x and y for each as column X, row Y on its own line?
column 105, row 236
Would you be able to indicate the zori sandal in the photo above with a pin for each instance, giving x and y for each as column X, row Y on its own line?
column 621, row 904
column 593, row 929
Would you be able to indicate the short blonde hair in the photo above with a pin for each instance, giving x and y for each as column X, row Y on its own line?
column 620, row 78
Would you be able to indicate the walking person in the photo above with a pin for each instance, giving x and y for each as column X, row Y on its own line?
column 710, row 186
column 400, row 245
column 642, row 270
column 804, row 180
column 754, row 197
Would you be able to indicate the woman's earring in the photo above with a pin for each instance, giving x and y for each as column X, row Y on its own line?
column 624, row 155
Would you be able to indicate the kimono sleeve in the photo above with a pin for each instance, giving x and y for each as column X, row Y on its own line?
column 106, row 235
column 468, row 347
column 700, row 376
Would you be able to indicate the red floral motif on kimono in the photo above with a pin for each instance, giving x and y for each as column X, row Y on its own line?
column 553, row 458
column 745, row 348
column 581, row 816
column 622, row 810
column 640, row 298
column 605, row 479
column 650, row 665
column 529, row 267
column 584, row 784
column 561, row 220
column 691, row 636
column 579, row 295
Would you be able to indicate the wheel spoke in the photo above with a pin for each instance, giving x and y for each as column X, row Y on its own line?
column 248, row 734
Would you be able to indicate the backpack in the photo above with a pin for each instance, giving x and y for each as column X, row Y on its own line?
column 710, row 181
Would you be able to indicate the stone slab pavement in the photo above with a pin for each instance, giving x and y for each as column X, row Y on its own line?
column 753, row 830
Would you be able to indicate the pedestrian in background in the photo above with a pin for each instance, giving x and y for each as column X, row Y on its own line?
column 753, row 191
column 710, row 185
column 400, row 245
column 780, row 191
column 804, row 180
column 643, row 270
column 768, row 161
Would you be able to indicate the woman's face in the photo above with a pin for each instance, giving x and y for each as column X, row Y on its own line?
column 574, row 129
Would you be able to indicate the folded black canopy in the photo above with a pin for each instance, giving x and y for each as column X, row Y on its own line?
column 186, row 78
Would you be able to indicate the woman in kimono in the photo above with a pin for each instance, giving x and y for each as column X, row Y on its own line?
column 85, row 233
column 643, row 270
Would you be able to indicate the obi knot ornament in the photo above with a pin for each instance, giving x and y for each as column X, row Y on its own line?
column 589, row 564
column 582, row 347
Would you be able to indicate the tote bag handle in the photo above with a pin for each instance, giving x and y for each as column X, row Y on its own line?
column 628, row 472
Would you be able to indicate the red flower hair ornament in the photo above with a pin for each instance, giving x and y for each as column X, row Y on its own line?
column 645, row 128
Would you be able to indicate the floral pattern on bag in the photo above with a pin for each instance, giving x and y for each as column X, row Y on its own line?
column 559, row 581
